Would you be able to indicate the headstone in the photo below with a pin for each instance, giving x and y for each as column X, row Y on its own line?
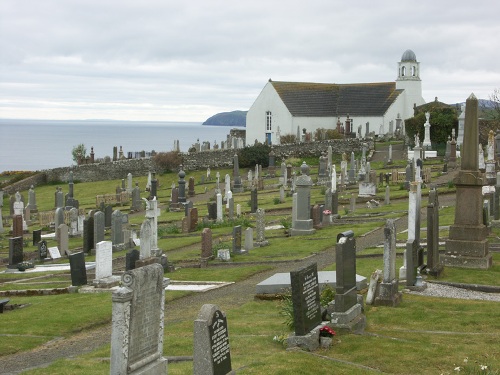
column 389, row 294
column 37, row 236
column 211, row 351
column 98, row 228
column 130, row 258
column 347, row 311
column 88, row 235
column 73, row 222
column 116, row 228
column 17, row 226
column 182, row 186
column 103, row 260
column 77, row 269
column 108, row 211
column 32, row 200
column 212, row 210
column 305, row 299
column 129, row 183
column 206, row 244
column 315, row 215
column 174, row 202
column 137, row 204
column 15, row 251
column 42, row 249
column 434, row 267
column 138, row 321
column 62, row 239
column 237, row 240
column 260, row 228
column 248, row 239
column 54, row 252
column 219, row 208
column 253, row 200
column 191, row 191
column 303, row 223
column 467, row 245
column 58, row 218
column 146, row 234
column 237, row 185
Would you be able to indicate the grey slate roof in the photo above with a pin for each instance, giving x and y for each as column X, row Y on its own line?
column 305, row 99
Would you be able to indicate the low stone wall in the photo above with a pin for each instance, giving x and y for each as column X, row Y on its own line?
column 38, row 179
column 191, row 161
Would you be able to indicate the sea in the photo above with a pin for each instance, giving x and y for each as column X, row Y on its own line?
column 33, row 145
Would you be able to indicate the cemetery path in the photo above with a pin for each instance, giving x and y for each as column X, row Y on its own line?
column 183, row 309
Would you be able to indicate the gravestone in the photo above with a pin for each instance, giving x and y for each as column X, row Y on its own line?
column 237, row 240
column 58, row 218
column 301, row 211
column 389, row 294
column 211, row 351
column 316, row 216
column 98, row 228
column 174, row 201
column 88, row 234
column 17, row 226
column 73, row 222
column 212, row 210
column 15, row 251
column 192, row 219
column 77, row 268
column 248, row 239
column 253, row 200
column 206, row 244
column 32, row 200
column 131, row 257
column 182, row 186
column 467, row 245
column 137, row 204
column 347, row 313
column 138, row 321
column 154, row 187
column 146, row 234
column 219, row 208
column 116, row 228
column 191, row 191
column 63, row 239
column 237, row 185
column 103, row 260
column 108, row 211
column 260, row 228
column 54, row 252
column 42, row 249
column 434, row 267
column 305, row 299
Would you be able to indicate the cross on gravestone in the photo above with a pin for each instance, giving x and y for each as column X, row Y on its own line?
column 77, row 268
column 305, row 299
column 211, row 351
column 137, row 322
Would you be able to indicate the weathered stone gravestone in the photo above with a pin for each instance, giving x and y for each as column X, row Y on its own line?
column 389, row 294
column 15, row 251
column 434, row 267
column 77, row 268
column 260, row 228
column 138, row 321
column 302, row 223
column 104, row 265
column 98, row 228
column 467, row 245
column 117, row 229
column 88, row 234
column 63, row 239
column 253, row 200
column 347, row 313
column 306, row 308
column 206, row 246
column 237, row 240
column 248, row 239
column 211, row 352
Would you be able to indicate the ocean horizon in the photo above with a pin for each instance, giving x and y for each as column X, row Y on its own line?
column 32, row 145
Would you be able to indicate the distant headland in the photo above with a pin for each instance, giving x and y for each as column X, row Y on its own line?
column 234, row 118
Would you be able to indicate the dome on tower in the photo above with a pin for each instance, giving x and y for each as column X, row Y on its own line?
column 408, row 55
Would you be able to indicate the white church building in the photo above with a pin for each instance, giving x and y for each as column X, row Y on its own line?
column 288, row 107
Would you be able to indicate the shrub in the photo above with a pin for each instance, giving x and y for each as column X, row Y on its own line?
column 251, row 155
column 288, row 138
column 286, row 310
column 168, row 161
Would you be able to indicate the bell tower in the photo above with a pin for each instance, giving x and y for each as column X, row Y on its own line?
column 409, row 81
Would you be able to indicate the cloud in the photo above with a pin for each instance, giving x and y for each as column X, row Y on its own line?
column 171, row 60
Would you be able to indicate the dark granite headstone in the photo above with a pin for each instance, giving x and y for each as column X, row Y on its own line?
column 37, row 236
column 42, row 249
column 345, row 258
column 253, row 200
column 78, row 270
column 130, row 258
column 212, row 210
column 15, row 251
column 88, row 234
column 305, row 298
column 108, row 212
column 237, row 239
column 211, row 354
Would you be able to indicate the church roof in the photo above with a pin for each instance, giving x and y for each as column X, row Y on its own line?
column 305, row 99
column 408, row 55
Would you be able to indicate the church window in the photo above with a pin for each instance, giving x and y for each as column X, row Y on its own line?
column 268, row 121
column 403, row 71
column 413, row 71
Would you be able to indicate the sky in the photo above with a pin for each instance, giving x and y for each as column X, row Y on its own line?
column 164, row 60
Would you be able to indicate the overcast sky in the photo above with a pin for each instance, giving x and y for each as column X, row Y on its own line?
column 187, row 60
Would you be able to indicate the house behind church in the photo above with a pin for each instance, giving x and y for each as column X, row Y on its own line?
column 289, row 107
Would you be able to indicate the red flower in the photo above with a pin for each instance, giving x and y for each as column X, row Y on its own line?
column 326, row 331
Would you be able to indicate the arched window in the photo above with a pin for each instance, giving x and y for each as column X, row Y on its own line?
column 269, row 118
column 403, row 71
column 413, row 71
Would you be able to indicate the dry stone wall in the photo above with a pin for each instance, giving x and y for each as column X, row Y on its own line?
column 191, row 161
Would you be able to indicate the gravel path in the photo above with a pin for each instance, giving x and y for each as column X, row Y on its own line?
column 446, row 291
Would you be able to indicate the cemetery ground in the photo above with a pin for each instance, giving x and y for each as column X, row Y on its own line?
column 69, row 333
